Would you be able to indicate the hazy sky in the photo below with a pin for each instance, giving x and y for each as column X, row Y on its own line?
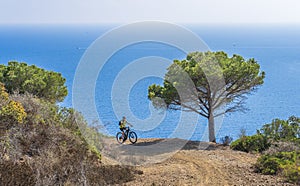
column 125, row 11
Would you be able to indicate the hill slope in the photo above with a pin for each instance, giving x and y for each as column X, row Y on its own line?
column 216, row 165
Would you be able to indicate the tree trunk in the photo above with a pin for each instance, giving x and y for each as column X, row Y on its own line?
column 211, row 128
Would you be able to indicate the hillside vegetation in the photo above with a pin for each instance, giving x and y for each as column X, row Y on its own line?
column 42, row 143
column 279, row 143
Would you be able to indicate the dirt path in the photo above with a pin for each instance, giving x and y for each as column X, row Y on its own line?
column 216, row 165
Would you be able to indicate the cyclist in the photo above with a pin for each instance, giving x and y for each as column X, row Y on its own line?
column 122, row 125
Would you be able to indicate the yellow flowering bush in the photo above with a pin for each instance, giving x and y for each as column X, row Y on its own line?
column 10, row 111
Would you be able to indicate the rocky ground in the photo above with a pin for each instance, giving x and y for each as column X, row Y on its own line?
column 195, row 164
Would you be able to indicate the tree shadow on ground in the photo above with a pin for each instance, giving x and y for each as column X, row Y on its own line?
column 185, row 144
column 147, row 143
column 161, row 146
column 153, row 150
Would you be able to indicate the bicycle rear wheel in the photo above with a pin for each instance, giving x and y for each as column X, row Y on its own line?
column 119, row 137
column 132, row 137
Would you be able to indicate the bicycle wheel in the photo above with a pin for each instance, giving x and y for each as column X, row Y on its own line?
column 132, row 137
column 119, row 137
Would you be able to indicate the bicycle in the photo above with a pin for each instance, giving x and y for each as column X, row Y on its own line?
column 127, row 133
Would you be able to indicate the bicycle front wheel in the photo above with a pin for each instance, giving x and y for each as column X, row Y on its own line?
column 132, row 137
column 119, row 137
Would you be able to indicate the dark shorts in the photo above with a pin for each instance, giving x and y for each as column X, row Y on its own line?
column 122, row 129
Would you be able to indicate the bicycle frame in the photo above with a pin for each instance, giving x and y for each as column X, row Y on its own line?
column 127, row 133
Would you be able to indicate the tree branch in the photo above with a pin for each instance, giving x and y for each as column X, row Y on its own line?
column 191, row 108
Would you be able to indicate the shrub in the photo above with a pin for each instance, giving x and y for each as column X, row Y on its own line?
column 226, row 140
column 267, row 164
column 292, row 173
column 54, row 145
column 23, row 78
column 255, row 143
column 39, row 112
column 282, row 130
column 282, row 163
column 11, row 112
column 280, row 143
column 273, row 133
column 282, row 146
column 53, row 155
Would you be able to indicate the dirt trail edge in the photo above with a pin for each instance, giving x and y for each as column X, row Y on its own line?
column 214, row 165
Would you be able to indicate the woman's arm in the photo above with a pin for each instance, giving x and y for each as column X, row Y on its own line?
column 129, row 124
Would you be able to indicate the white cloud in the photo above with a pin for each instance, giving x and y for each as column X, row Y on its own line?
column 178, row 11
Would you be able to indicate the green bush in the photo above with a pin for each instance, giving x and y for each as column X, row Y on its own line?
column 267, row 164
column 282, row 130
column 270, row 134
column 292, row 173
column 283, row 163
column 280, row 143
column 22, row 78
column 255, row 143
column 11, row 112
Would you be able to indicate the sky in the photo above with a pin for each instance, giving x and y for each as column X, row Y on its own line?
column 126, row 11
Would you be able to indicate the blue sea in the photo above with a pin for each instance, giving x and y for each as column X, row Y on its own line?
column 61, row 47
